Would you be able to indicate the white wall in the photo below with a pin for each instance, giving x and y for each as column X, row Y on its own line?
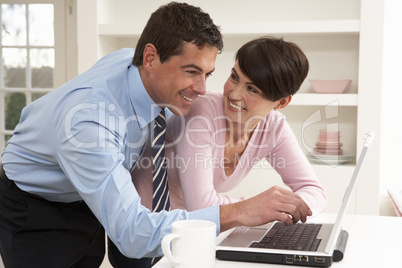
column 391, row 107
column 391, row 121
column 87, row 34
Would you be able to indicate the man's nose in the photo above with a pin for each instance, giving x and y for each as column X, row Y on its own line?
column 200, row 86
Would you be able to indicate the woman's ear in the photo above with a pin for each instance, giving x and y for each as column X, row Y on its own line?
column 283, row 102
column 149, row 56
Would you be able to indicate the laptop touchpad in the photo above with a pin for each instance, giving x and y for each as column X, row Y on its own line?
column 243, row 236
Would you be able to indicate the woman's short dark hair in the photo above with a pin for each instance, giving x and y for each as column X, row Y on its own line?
column 173, row 23
column 275, row 66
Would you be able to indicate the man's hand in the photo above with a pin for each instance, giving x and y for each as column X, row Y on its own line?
column 273, row 204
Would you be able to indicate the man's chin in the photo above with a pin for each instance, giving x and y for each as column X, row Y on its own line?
column 182, row 111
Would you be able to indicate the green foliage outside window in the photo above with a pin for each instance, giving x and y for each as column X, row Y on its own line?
column 15, row 103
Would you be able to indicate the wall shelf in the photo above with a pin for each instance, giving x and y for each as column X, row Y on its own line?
column 252, row 28
column 324, row 99
column 290, row 27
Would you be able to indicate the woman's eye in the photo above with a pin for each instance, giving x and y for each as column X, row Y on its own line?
column 252, row 90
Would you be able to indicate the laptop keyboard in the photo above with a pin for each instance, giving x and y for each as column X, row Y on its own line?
column 300, row 236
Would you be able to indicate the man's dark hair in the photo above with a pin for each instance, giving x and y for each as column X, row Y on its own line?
column 171, row 25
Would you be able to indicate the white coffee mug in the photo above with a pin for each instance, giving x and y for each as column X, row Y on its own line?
column 192, row 244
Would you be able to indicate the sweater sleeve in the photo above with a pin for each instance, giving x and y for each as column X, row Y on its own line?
column 289, row 161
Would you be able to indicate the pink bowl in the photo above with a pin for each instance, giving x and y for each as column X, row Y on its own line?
column 329, row 86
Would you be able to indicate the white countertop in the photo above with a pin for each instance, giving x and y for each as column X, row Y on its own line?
column 374, row 242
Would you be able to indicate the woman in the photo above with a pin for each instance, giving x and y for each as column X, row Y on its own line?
column 214, row 147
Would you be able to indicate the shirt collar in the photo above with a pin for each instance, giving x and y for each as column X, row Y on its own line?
column 145, row 108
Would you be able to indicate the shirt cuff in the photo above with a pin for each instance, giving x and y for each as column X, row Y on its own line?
column 208, row 214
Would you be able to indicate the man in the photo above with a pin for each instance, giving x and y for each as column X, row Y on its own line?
column 65, row 175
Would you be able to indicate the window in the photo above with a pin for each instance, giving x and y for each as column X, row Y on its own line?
column 33, row 51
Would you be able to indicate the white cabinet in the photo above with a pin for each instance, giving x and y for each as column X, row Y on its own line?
column 340, row 39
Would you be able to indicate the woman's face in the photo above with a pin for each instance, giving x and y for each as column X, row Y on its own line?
column 244, row 103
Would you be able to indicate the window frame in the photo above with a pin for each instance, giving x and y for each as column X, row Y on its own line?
column 65, row 53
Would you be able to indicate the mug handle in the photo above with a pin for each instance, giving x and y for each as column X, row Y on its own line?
column 166, row 248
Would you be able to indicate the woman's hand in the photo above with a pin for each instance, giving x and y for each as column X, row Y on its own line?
column 274, row 204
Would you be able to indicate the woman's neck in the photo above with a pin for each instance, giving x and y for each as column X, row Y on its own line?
column 237, row 134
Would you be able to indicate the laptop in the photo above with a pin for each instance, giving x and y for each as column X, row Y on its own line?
column 320, row 245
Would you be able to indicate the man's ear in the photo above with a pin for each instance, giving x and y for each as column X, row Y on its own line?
column 149, row 56
column 284, row 102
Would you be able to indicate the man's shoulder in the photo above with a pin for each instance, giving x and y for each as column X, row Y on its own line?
column 124, row 55
column 127, row 52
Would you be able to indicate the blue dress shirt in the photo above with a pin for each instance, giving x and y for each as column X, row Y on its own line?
column 79, row 142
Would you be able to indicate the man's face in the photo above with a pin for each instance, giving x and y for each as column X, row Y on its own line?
column 177, row 82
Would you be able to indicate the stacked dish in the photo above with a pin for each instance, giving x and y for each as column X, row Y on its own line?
column 328, row 143
column 328, row 149
column 329, row 86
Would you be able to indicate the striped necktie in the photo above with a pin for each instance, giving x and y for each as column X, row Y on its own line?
column 160, row 200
